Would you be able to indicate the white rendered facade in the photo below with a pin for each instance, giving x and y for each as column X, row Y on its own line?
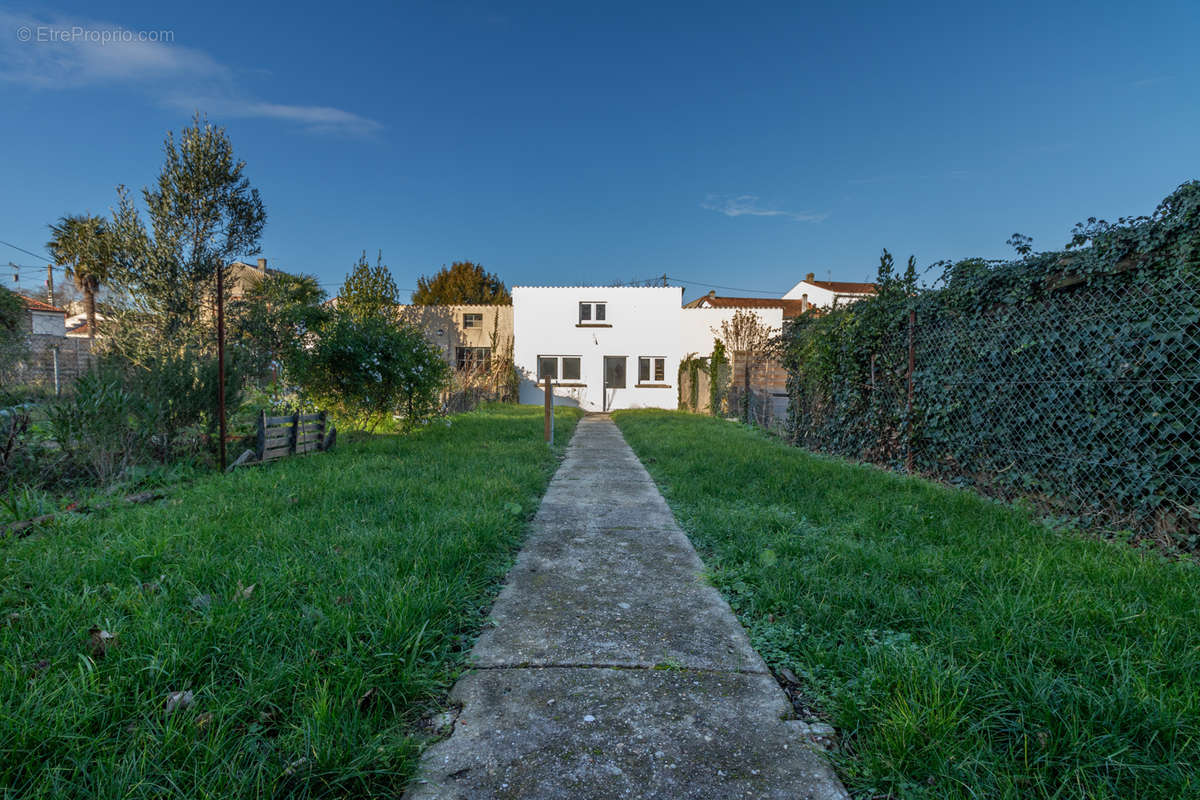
column 609, row 348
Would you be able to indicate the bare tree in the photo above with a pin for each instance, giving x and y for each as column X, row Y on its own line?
column 747, row 337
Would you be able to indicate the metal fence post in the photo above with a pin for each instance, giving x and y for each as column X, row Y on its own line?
column 549, row 413
column 912, row 362
column 261, row 447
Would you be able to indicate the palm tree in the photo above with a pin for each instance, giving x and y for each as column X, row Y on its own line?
column 83, row 243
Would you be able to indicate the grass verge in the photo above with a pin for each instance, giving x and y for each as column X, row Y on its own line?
column 962, row 649
column 278, row 632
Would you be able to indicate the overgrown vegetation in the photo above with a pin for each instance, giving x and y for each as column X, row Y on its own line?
column 152, row 396
column 280, row 632
column 960, row 648
column 715, row 369
column 1071, row 378
column 12, row 346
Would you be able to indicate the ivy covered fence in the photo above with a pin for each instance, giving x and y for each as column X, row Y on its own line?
column 1070, row 378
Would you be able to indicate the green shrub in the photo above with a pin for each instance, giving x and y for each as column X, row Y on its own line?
column 719, row 377
column 367, row 368
column 99, row 427
column 179, row 387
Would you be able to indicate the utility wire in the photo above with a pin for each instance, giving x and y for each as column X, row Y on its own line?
column 727, row 288
column 26, row 252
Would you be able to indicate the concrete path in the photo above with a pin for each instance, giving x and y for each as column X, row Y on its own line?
column 613, row 670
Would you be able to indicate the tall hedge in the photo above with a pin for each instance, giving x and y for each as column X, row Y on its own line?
column 1071, row 378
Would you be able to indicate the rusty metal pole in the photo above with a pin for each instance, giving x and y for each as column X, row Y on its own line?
column 912, row 363
column 221, row 362
column 549, row 412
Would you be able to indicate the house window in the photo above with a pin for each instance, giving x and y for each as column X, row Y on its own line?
column 470, row 358
column 554, row 366
column 652, row 368
column 472, row 320
column 592, row 312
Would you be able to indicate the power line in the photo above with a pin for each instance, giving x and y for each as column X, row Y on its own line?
column 727, row 288
column 26, row 252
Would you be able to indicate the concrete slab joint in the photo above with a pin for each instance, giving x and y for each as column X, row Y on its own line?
column 613, row 670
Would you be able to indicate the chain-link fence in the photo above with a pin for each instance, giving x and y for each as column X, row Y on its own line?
column 43, row 364
column 1085, row 402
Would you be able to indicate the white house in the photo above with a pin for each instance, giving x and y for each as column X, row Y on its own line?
column 607, row 348
column 828, row 294
column 43, row 319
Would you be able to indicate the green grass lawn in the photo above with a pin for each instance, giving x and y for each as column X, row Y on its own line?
column 960, row 648
column 315, row 610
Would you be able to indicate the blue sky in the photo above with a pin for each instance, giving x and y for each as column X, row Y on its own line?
column 723, row 144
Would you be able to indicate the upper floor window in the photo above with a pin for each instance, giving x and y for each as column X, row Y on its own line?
column 592, row 312
column 472, row 320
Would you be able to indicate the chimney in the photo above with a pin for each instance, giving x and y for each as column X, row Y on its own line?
column 262, row 265
column 712, row 292
column 809, row 277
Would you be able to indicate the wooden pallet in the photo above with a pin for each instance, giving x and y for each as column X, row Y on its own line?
column 290, row 435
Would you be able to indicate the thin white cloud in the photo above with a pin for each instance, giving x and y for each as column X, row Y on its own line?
column 317, row 119
column 57, row 53
column 747, row 205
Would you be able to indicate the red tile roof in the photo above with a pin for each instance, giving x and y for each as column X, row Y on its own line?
column 845, row 287
column 791, row 308
column 38, row 305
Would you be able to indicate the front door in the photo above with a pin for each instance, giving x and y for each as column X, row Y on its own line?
column 614, row 377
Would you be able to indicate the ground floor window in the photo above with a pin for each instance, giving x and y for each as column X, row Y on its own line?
column 466, row 358
column 652, row 368
column 558, row 368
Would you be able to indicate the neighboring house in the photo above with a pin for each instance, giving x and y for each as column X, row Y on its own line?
column 807, row 295
column 77, row 326
column 828, row 294
column 606, row 347
column 242, row 277
column 47, row 357
column 468, row 335
column 43, row 319
column 768, row 380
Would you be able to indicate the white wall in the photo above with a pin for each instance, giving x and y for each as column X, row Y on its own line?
column 49, row 323
column 644, row 322
column 698, row 327
column 817, row 296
